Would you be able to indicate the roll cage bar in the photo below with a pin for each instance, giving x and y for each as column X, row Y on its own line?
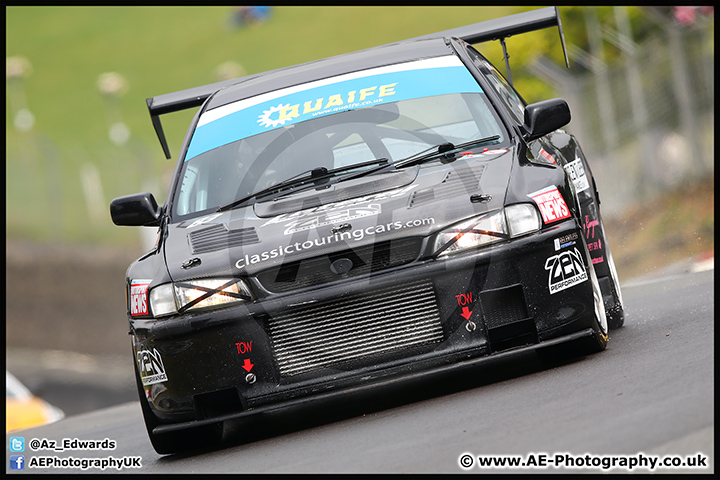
column 496, row 29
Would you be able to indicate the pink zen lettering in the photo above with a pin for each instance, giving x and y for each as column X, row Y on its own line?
column 590, row 226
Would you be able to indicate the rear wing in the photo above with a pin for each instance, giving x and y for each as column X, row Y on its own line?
column 497, row 29
column 501, row 28
column 182, row 100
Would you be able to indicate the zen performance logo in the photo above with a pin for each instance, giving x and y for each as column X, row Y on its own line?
column 151, row 367
column 565, row 270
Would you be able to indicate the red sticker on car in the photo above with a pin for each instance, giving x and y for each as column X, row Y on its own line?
column 547, row 156
column 138, row 297
column 551, row 204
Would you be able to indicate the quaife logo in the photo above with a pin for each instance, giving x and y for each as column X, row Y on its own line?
column 290, row 112
column 565, row 270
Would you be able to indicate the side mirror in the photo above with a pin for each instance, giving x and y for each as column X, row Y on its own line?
column 544, row 117
column 138, row 210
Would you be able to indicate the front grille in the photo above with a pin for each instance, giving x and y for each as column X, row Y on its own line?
column 356, row 327
column 316, row 271
column 217, row 237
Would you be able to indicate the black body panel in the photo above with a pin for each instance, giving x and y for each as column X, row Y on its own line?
column 399, row 273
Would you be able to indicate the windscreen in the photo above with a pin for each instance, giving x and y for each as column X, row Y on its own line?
column 390, row 112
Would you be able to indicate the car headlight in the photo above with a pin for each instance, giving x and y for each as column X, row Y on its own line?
column 162, row 300
column 511, row 222
column 197, row 294
column 522, row 219
column 472, row 233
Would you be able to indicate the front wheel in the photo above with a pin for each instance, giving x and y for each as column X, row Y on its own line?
column 599, row 339
column 616, row 312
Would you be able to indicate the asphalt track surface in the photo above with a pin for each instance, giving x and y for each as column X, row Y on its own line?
column 651, row 393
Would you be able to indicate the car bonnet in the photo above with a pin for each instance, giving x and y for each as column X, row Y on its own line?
column 411, row 203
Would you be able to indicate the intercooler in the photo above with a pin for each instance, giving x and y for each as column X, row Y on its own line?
column 383, row 321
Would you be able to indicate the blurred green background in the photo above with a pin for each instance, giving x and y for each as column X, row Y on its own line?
column 58, row 170
column 75, row 140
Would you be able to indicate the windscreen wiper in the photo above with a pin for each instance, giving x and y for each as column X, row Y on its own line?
column 427, row 154
column 442, row 149
column 316, row 176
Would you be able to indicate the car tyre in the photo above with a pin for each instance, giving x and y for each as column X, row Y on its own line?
column 615, row 313
column 599, row 339
column 176, row 442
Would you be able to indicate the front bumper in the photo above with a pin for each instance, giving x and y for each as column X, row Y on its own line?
column 408, row 322
column 378, row 386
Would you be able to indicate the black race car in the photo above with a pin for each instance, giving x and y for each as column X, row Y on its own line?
column 389, row 214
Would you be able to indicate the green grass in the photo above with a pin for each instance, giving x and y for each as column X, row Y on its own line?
column 158, row 50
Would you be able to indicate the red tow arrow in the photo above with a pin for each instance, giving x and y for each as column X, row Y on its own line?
column 247, row 365
column 466, row 313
